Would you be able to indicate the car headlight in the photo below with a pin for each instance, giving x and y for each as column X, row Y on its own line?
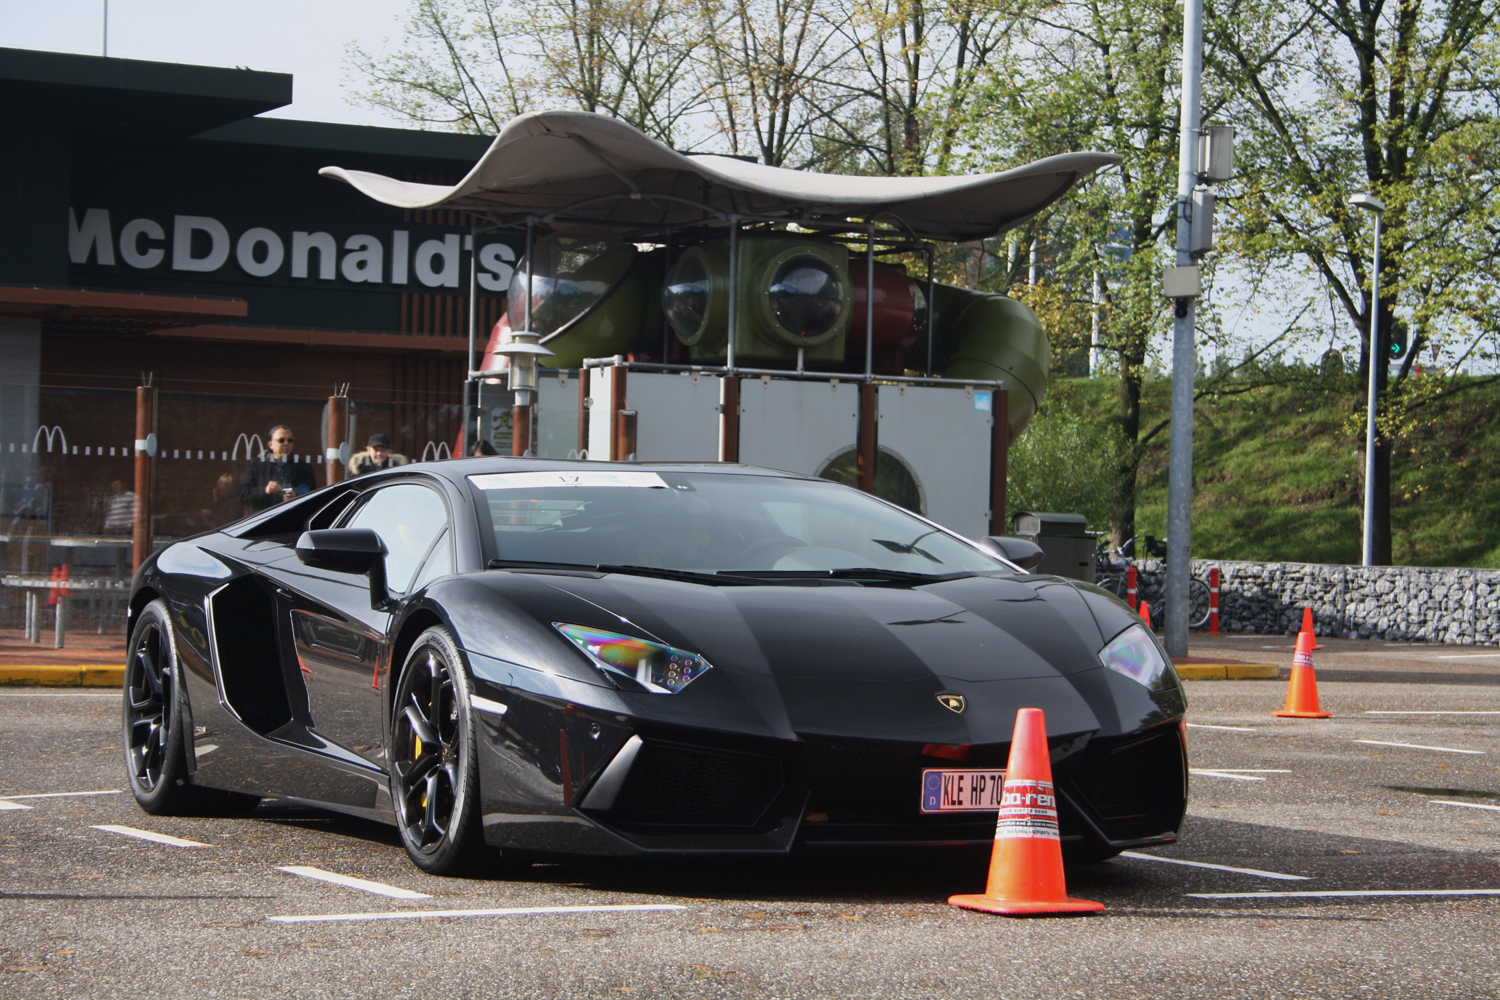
column 659, row 668
column 1135, row 654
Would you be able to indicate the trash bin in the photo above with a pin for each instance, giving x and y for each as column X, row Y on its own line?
column 1067, row 547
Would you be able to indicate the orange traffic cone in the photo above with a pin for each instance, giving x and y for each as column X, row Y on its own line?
column 1026, row 869
column 1307, row 626
column 1146, row 615
column 1302, row 693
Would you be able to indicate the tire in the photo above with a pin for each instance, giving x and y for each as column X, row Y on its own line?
column 436, row 793
column 1197, row 603
column 155, row 731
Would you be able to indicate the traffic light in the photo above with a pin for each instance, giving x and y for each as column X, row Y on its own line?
column 1396, row 341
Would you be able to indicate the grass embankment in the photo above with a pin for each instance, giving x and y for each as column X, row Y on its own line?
column 1276, row 472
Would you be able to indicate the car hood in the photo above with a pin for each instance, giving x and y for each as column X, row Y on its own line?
column 860, row 661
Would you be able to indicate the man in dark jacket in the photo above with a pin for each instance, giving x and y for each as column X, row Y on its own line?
column 276, row 475
column 376, row 457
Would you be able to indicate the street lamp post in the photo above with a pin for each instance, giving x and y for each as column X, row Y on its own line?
column 1370, row 203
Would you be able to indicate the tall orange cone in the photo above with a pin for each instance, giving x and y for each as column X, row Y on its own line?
column 1146, row 615
column 1302, row 692
column 1026, row 869
column 1307, row 626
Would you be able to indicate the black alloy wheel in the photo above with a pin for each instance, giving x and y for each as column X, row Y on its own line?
column 155, row 737
column 151, row 744
column 434, row 779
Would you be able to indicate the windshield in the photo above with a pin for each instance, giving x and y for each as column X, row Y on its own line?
column 712, row 523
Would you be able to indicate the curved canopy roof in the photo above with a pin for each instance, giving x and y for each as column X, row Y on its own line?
column 575, row 167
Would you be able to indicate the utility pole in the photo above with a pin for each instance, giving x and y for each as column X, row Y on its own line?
column 1184, row 357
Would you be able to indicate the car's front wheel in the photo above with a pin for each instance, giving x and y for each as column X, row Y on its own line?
column 156, row 741
column 434, row 774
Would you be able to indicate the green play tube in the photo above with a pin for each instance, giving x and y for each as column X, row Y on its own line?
column 981, row 335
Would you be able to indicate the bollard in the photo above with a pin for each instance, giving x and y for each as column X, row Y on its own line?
column 60, row 622
column 1131, row 597
column 33, row 630
column 1213, row 600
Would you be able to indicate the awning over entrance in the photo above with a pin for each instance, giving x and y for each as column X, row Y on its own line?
column 571, row 167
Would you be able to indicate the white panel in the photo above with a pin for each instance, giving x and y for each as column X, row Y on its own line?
column 557, row 417
column 677, row 416
column 601, row 390
column 796, row 426
column 943, row 435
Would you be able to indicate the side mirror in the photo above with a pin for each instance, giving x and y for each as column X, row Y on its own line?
column 1024, row 554
column 347, row 550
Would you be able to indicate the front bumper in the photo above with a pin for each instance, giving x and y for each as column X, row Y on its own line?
column 557, row 778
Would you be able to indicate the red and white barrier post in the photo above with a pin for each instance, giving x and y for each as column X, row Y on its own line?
column 1132, row 597
column 1213, row 600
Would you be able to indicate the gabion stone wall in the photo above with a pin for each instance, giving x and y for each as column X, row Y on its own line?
column 1413, row 603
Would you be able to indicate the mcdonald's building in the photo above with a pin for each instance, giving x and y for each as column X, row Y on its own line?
column 157, row 227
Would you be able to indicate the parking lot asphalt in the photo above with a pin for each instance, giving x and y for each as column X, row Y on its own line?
column 1363, row 802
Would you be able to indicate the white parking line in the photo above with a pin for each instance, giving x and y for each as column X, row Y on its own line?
column 1234, row 775
column 350, row 882
column 12, row 805
column 59, row 694
column 1469, row 656
column 1232, row 729
column 1416, row 746
column 1414, row 712
column 1466, row 805
column 1340, row 893
column 158, row 838
column 1219, row 868
column 60, row 795
column 205, row 748
column 511, row 911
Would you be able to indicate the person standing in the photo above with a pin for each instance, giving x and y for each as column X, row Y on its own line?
column 276, row 475
column 119, row 509
column 375, row 457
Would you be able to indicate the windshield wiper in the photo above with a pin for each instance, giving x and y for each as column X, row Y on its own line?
column 852, row 573
column 659, row 572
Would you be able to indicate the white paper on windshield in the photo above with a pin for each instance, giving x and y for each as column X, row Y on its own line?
column 544, row 480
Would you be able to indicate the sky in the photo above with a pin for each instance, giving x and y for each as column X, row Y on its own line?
column 303, row 37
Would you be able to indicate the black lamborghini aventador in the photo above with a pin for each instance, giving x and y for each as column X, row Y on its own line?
column 552, row 657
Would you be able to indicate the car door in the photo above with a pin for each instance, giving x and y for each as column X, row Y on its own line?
column 338, row 640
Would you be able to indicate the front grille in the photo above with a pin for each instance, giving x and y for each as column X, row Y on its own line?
column 1134, row 789
column 676, row 785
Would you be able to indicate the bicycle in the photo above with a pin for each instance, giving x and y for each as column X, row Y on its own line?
column 1112, row 575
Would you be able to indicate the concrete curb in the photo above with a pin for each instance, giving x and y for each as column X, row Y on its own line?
column 75, row 675
column 1228, row 670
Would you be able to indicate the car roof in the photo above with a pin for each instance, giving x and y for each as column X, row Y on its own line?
column 457, row 469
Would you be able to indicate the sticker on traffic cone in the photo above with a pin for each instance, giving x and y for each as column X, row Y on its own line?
column 1307, row 626
column 1302, row 693
column 1026, row 869
column 1146, row 615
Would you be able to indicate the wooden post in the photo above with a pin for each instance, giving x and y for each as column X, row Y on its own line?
column 864, row 444
column 145, row 442
column 729, row 419
column 625, row 443
column 583, row 411
column 338, row 432
column 999, row 461
column 617, row 406
column 520, row 429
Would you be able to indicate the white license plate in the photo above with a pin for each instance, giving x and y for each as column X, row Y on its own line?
column 961, row 791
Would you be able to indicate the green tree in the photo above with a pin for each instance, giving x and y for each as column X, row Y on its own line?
column 1096, row 74
column 1335, row 97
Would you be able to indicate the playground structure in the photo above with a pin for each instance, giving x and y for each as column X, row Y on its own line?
column 711, row 309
